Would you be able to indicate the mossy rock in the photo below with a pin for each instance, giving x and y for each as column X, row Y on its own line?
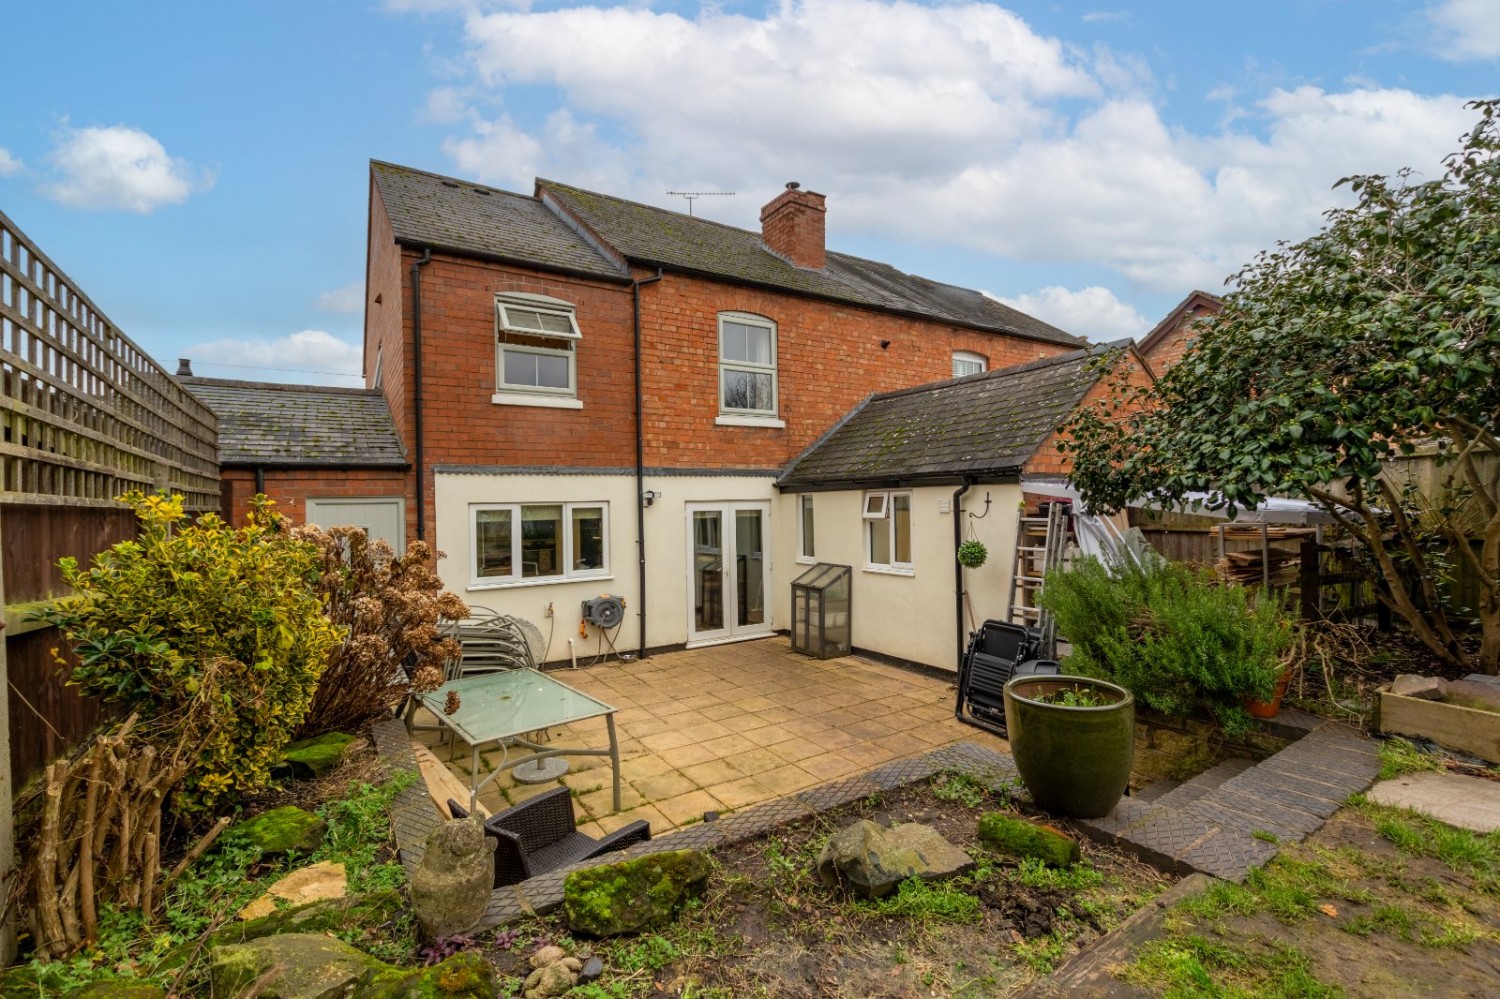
column 1027, row 839
column 324, row 916
column 318, row 756
column 462, row 976
column 634, row 895
column 291, row 966
column 121, row 988
column 282, row 830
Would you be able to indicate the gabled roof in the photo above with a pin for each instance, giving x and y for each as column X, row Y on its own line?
column 656, row 237
column 445, row 213
column 580, row 232
column 269, row 424
column 985, row 426
column 1195, row 301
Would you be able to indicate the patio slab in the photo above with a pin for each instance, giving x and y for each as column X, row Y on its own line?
column 730, row 727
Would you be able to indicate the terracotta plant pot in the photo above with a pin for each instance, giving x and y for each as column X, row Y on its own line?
column 1075, row 761
column 1271, row 708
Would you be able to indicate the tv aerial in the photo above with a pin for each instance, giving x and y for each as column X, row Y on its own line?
column 691, row 196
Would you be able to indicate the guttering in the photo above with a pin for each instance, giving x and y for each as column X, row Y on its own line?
column 416, row 343
column 958, row 567
column 501, row 258
column 260, row 479
column 640, row 463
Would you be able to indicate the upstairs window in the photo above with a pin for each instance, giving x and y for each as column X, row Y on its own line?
column 966, row 363
column 747, row 365
column 535, row 341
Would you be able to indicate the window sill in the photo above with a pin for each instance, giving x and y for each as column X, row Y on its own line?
column 886, row 570
column 540, row 401
column 522, row 583
column 732, row 420
column 806, row 560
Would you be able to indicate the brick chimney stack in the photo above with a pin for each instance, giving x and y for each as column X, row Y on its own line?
column 792, row 225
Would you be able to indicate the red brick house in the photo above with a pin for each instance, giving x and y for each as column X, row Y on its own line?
column 597, row 395
column 327, row 456
column 1169, row 339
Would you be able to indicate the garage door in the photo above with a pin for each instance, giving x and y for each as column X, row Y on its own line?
column 381, row 517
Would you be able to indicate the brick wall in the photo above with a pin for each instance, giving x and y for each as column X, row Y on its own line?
column 1048, row 459
column 1168, row 350
column 292, row 488
column 386, row 319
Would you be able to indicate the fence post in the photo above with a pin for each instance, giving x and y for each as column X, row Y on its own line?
column 7, row 787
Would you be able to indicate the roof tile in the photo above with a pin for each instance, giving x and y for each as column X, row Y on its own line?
column 264, row 423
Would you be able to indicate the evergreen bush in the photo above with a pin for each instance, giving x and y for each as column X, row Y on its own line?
column 1174, row 635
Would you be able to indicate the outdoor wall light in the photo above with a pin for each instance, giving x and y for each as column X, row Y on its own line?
column 650, row 496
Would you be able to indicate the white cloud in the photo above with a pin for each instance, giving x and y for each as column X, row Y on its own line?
column 9, row 163
column 315, row 356
column 119, row 168
column 1466, row 29
column 1093, row 312
column 957, row 125
column 1097, row 16
column 348, row 299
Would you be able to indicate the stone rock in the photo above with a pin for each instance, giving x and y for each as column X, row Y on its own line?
column 549, row 982
column 282, row 830
column 450, row 888
column 1027, row 839
column 120, row 988
column 290, row 966
column 1493, row 681
column 1472, row 694
column 318, row 756
column 633, row 895
column 326, row 916
column 320, row 881
column 1428, row 688
column 465, row 975
column 870, row 860
column 592, row 971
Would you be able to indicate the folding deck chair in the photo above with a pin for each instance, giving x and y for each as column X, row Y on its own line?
column 996, row 652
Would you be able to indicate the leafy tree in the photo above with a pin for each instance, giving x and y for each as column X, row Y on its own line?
column 1378, row 335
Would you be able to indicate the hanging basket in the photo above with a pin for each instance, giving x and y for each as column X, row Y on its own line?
column 972, row 554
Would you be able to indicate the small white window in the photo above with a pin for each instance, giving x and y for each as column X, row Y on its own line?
column 875, row 505
column 966, row 363
column 747, row 365
column 535, row 341
column 888, row 538
column 538, row 542
column 805, row 550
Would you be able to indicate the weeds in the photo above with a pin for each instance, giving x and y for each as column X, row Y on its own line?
column 1397, row 757
column 959, row 788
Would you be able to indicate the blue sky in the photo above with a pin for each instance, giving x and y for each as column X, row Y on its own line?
column 201, row 169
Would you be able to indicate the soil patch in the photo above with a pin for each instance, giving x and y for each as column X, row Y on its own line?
column 767, row 928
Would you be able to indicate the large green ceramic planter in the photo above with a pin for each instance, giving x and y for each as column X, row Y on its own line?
column 1074, row 761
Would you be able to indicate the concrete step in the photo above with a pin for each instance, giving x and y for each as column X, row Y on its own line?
column 1214, row 777
column 1154, row 790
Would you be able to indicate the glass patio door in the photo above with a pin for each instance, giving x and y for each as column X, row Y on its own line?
column 729, row 571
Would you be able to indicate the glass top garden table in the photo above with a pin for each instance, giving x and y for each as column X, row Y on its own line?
column 505, row 706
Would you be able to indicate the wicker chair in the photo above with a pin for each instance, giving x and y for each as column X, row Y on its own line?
column 541, row 835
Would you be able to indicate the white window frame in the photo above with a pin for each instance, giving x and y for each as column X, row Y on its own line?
column 515, row 577
column 805, row 506
column 888, row 517
column 732, row 416
column 536, row 395
column 968, row 357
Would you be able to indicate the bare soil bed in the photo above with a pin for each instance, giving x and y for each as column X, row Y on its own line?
column 767, row 928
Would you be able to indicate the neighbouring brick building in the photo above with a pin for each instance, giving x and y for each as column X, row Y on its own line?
column 504, row 330
column 327, row 456
column 1169, row 339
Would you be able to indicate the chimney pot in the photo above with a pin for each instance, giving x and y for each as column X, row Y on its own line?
column 184, row 367
column 792, row 225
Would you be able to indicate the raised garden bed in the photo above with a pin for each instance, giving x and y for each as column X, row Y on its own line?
column 1455, row 726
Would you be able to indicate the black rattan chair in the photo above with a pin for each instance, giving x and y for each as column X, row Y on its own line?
column 541, row 835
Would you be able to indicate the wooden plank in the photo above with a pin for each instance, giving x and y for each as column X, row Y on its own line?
column 1467, row 730
column 441, row 783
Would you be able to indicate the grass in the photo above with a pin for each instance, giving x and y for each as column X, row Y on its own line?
column 1397, row 757
column 929, row 901
column 1196, row 967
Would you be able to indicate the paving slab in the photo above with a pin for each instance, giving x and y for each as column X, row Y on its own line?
column 1466, row 802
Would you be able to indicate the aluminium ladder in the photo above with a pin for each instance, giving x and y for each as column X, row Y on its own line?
column 1040, row 544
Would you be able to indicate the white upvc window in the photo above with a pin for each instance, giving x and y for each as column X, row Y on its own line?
column 805, row 546
column 512, row 543
column 967, row 363
column 888, row 532
column 747, row 365
column 536, row 340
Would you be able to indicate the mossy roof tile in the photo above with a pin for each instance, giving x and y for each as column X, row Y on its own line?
column 264, row 423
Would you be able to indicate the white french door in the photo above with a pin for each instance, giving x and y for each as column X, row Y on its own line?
column 729, row 571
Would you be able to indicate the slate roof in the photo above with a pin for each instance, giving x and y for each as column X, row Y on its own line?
column 1196, row 300
column 443, row 212
column 269, row 424
column 427, row 209
column 985, row 425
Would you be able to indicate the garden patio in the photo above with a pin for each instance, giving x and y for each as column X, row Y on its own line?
column 725, row 727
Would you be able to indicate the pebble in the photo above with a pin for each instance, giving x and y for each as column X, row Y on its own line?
column 593, row 969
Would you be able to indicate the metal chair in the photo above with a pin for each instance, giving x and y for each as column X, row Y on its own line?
column 491, row 642
column 541, row 835
column 997, row 651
